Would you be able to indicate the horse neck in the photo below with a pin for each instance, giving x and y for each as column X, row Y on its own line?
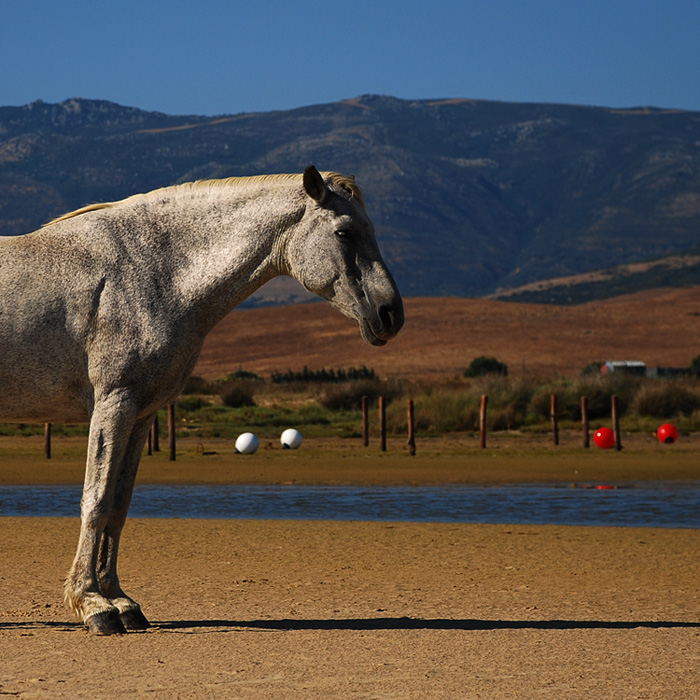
column 228, row 244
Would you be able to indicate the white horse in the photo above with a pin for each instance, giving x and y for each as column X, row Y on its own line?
column 103, row 313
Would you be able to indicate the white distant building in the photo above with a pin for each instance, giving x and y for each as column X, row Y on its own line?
column 641, row 370
column 625, row 366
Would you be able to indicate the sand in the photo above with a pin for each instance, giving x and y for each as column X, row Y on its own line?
column 298, row 609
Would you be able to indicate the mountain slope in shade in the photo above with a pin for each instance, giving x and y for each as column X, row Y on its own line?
column 671, row 271
column 468, row 196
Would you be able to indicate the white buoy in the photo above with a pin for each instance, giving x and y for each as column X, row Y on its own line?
column 291, row 439
column 247, row 444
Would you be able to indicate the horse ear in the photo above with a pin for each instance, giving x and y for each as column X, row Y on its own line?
column 313, row 184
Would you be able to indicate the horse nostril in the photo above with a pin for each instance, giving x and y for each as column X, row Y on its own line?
column 388, row 317
column 385, row 316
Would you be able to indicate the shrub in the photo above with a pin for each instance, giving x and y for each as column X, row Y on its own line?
column 243, row 375
column 592, row 368
column 541, row 402
column 508, row 401
column 599, row 391
column 348, row 397
column 237, row 394
column 326, row 376
column 481, row 366
column 238, row 388
column 665, row 400
column 695, row 366
column 440, row 411
column 568, row 402
column 197, row 385
column 507, row 392
column 190, row 403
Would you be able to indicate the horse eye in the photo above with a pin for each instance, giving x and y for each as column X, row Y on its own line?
column 342, row 233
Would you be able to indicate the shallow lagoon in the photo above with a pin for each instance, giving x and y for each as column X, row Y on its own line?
column 643, row 504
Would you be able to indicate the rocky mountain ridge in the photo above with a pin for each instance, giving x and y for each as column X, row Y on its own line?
column 468, row 197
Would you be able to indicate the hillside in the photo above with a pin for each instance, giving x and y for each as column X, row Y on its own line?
column 442, row 336
column 671, row 271
column 468, row 196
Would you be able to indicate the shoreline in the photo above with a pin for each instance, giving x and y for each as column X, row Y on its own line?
column 453, row 459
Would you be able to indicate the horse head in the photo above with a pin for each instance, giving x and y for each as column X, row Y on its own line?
column 334, row 254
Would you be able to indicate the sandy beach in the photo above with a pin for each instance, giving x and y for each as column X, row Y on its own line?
column 313, row 609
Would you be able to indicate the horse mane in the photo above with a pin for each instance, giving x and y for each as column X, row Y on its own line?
column 345, row 182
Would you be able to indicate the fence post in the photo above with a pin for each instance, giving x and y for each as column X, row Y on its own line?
column 171, row 431
column 411, row 429
column 616, row 423
column 156, row 434
column 584, row 422
column 555, row 419
column 482, row 420
column 365, row 422
column 382, row 423
column 47, row 440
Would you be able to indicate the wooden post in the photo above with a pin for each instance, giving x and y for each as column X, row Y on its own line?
column 584, row 422
column 411, row 429
column 616, row 423
column 156, row 434
column 555, row 419
column 382, row 423
column 171, row 431
column 482, row 420
column 47, row 440
column 365, row 421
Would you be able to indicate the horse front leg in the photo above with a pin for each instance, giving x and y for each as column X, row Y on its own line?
column 129, row 610
column 110, row 427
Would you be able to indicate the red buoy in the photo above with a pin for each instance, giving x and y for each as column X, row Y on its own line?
column 667, row 433
column 604, row 438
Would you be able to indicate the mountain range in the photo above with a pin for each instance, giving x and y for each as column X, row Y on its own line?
column 469, row 197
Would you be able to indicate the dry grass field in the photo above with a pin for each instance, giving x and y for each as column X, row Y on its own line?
column 442, row 336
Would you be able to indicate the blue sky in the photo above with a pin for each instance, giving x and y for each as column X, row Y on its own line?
column 225, row 56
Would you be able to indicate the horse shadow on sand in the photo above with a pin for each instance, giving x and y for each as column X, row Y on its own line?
column 412, row 623
column 368, row 624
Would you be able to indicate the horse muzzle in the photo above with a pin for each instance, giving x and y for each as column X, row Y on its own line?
column 384, row 324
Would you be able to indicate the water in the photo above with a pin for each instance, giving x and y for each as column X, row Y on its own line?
column 666, row 504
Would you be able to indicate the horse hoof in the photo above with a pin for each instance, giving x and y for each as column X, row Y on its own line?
column 104, row 623
column 134, row 619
